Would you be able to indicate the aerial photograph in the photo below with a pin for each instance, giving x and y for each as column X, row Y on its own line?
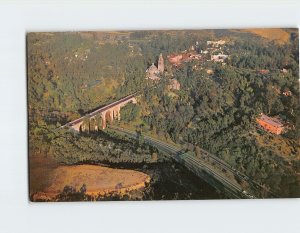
column 163, row 114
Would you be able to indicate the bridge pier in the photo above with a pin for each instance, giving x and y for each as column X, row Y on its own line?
column 111, row 115
column 117, row 113
column 77, row 126
column 103, row 120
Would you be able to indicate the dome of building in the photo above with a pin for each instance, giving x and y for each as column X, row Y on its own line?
column 152, row 70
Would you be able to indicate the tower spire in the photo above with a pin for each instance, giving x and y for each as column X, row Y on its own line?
column 161, row 66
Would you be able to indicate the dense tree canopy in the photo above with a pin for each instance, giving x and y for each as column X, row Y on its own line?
column 71, row 73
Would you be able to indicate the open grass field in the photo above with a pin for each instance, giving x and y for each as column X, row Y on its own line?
column 98, row 180
column 275, row 34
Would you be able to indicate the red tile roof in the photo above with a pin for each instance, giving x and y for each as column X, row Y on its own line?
column 271, row 120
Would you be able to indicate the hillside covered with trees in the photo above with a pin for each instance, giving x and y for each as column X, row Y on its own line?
column 72, row 73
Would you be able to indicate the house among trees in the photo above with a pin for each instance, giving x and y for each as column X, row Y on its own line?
column 287, row 92
column 271, row 124
column 185, row 56
column 216, row 43
column 264, row 71
column 219, row 57
column 175, row 59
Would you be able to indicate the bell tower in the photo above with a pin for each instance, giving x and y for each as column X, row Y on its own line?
column 160, row 65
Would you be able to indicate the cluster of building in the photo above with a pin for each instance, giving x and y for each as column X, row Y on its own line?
column 214, row 47
column 219, row 57
column 153, row 73
column 286, row 91
column 183, row 57
column 177, row 59
column 271, row 124
column 215, row 43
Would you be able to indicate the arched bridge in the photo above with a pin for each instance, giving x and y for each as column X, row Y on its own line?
column 109, row 112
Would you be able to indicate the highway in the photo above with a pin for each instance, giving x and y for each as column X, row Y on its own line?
column 205, row 155
column 193, row 163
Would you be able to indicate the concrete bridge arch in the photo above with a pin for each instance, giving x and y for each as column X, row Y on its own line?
column 108, row 113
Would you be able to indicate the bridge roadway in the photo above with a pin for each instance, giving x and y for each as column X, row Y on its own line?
column 99, row 110
column 193, row 163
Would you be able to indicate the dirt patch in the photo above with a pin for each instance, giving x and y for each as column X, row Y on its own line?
column 98, row 181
